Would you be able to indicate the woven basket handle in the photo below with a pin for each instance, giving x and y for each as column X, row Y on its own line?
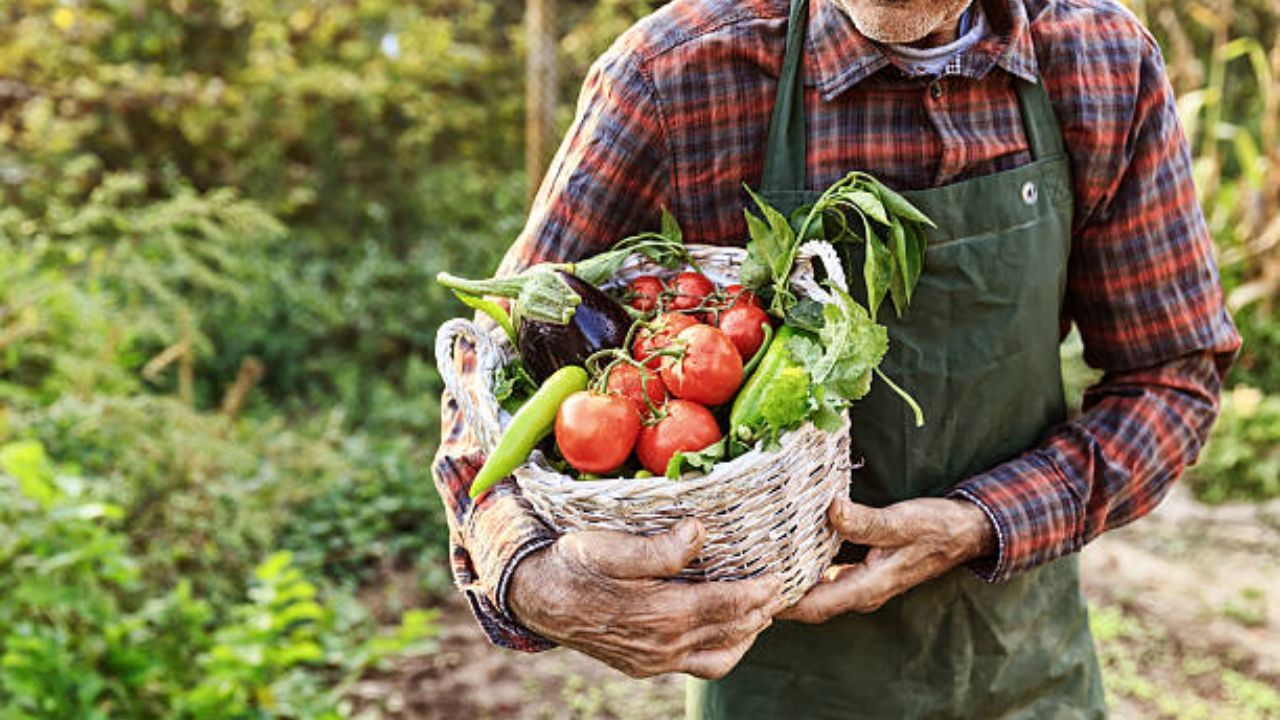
column 830, row 259
column 474, row 393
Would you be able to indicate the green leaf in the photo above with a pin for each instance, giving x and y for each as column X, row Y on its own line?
column 900, row 206
column 853, row 344
column 754, row 274
column 815, row 231
column 512, row 386
column 910, row 250
column 826, row 416
column 665, row 248
column 26, row 462
column 806, row 315
column 671, row 228
column 703, row 460
column 877, row 270
column 869, row 204
column 775, row 239
column 898, row 291
column 806, row 351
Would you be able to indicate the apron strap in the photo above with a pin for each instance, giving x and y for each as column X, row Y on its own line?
column 1038, row 120
column 787, row 147
column 785, row 152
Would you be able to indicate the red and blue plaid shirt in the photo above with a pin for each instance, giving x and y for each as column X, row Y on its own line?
column 676, row 114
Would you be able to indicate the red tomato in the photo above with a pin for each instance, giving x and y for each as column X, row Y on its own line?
column 710, row 371
column 735, row 294
column 691, row 289
column 686, row 427
column 645, row 292
column 631, row 382
column 664, row 327
column 744, row 326
column 596, row 432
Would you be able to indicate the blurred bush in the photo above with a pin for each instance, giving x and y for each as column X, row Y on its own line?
column 1223, row 58
column 85, row 632
column 1242, row 461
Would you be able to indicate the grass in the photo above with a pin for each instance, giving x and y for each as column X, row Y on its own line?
column 1148, row 676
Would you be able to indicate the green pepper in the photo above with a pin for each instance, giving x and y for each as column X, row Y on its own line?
column 776, row 395
column 532, row 422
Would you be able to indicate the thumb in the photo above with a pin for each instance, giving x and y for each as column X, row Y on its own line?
column 862, row 524
column 632, row 557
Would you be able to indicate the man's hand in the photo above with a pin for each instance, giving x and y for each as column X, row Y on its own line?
column 604, row 594
column 911, row 542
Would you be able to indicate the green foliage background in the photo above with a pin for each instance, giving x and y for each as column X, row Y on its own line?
column 186, row 185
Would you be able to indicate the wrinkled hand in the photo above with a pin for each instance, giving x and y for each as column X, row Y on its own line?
column 911, row 542
column 604, row 593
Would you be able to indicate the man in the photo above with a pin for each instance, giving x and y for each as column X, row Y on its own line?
column 1042, row 137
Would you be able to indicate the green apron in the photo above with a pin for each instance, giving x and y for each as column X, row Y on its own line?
column 978, row 348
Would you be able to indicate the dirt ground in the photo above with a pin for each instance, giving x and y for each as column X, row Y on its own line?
column 1186, row 612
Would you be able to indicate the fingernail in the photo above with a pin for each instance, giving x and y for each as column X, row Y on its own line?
column 841, row 511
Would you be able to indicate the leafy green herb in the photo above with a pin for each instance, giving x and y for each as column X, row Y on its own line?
column 541, row 294
column 806, row 315
column 665, row 248
column 857, row 208
column 703, row 460
column 512, row 385
column 771, row 252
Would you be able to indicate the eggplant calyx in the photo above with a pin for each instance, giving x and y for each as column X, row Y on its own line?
column 540, row 293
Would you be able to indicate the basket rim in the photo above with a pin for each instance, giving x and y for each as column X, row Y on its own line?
column 537, row 472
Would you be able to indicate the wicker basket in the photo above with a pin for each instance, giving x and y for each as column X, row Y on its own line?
column 763, row 511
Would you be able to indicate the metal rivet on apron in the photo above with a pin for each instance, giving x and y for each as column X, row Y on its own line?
column 1029, row 193
column 935, row 90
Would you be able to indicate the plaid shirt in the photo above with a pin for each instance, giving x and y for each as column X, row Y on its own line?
column 676, row 114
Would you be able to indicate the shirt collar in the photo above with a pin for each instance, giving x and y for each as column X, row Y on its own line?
column 839, row 57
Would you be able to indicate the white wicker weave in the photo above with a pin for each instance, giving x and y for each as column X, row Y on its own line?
column 764, row 511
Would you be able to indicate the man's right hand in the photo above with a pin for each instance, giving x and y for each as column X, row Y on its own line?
column 606, row 594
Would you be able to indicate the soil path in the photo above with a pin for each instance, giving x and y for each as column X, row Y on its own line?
column 1186, row 611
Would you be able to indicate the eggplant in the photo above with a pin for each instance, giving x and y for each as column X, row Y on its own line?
column 599, row 322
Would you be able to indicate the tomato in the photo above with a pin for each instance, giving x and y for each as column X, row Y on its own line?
column 648, row 341
column 710, row 370
column 645, row 292
column 596, row 432
column 736, row 294
column 631, row 382
column 685, row 427
column 744, row 326
column 691, row 289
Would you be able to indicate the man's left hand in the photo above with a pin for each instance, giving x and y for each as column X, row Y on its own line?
column 910, row 542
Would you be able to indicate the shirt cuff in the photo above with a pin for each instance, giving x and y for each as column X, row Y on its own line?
column 500, row 628
column 1035, row 514
column 500, row 532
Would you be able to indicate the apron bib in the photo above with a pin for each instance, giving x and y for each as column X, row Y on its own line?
column 978, row 348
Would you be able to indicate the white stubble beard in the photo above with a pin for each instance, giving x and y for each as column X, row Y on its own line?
column 901, row 21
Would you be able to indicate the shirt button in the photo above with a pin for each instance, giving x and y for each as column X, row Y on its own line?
column 935, row 90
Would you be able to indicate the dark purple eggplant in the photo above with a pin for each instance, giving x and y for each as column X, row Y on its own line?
column 598, row 323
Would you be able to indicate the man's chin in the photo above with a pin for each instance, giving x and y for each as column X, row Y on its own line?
column 900, row 21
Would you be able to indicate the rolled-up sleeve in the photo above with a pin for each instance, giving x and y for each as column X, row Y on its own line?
column 607, row 181
column 1144, row 291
